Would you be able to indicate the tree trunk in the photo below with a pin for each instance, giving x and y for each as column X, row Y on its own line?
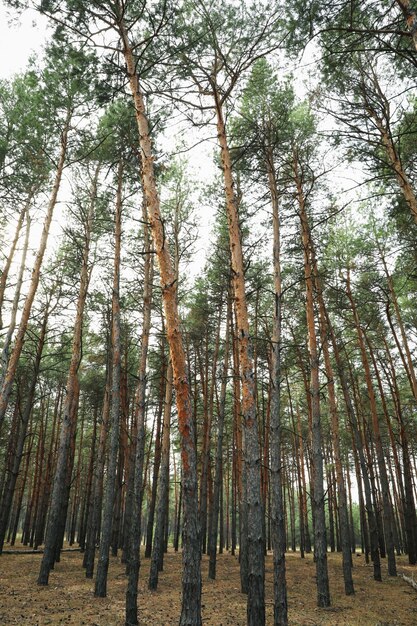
column 392, row 569
column 341, row 487
column 157, row 548
column 94, row 524
column 5, row 273
column 46, row 478
column 68, row 428
column 7, row 499
column 20, row 337
column 191, row 580
column 212, row 546
column 410, row 17
column 354, row 426
column 12, row 325
column 100, row 589
column 277, row 509
column 157, row 455
column 140, row 410
column 320, row 543
column 252, row 460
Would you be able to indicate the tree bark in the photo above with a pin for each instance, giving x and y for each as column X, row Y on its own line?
column 20, row 337
column 252, row 456
column 68, row 427
column 356, row 436
column 392, row 569
column 163, row 487
column 157, row 455
column 12, row 325
column 410, row 17
column 140, row 411
column 212, row 544
column 191, row 580
column 341, row 487
column 320, row 542
column 5, row 273
column 7, row 499
column 277, row 509
column 100, row 589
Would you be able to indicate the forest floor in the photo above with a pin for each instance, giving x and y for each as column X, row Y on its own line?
column 69, row 597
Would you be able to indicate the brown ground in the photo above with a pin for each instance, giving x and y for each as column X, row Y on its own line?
column 69, row 598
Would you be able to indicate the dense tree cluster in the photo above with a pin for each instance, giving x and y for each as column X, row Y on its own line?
column 267, row 401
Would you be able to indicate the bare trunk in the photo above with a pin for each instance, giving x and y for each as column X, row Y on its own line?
column 320, row 542
column 277, row 509
column 94, row 524
column 7, row 499
column 12, row 325
column 392, row 570
column 356, row 436
column 140, row 410
column 252, row 456
column 68, row 428
column 100, row 589
column 341, row 488
column 157, row 548
column 157, row 456
column 20, row 337
column 5, row 273
column 212, row 545
column 191, row 581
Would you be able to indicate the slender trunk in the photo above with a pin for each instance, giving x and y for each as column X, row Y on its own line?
column 297, row 455
column 277, row 510
column 93, row 528
column 212, row 547
column 140, row 410
column 392, row 570
column 191, row 580
column 205, row 444
column 157, row 455
column 12, row 325
column 59, row 499
column 205, row 472
column 47, row 475
column 5, row 273
column 76, row 509
column 341, row 487
column 85, row 518
column 409, row 503
column 7, row 499
column 240, row 471
column 100, row 589
column 178, row 521
column 157, row 548
column 68, row 473
column 117, row 530
column 320, row 542
column 353, row 424
column 252, row 460
column 20, row 337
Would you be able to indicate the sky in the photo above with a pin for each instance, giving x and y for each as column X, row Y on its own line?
column 19, row 38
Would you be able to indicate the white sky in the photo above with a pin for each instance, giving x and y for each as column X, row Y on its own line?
column 19, row 38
